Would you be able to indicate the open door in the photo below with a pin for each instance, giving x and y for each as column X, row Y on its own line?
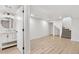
column 20, row 30
column 23, row 39
column 20, row 35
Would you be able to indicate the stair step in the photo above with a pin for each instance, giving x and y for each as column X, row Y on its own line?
column 66, row 33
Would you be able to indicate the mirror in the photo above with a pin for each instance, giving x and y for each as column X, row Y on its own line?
column 7, row 23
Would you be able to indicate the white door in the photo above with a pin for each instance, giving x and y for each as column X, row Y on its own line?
column 20, row 35
column 19, row 27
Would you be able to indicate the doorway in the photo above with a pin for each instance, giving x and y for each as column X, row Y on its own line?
column 67, row 27
column 11, row 34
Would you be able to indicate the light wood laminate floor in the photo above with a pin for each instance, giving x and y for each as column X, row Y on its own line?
column 11, row 50
column 50, row 45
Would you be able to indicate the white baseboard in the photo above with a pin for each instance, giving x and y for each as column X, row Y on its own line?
column 75, row 40
column 40, row 37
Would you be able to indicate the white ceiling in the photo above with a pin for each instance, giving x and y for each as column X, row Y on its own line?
column 12, row 9
column 55, row 11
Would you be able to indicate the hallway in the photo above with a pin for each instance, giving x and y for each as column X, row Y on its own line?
column 48, row 45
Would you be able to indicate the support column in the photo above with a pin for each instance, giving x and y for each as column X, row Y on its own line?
column 53, row 31
column 60, row 32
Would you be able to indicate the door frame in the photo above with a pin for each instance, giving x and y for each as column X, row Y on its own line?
column 26, row 39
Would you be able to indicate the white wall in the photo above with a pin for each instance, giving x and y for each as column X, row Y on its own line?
column 38, row 28
column 75, row 30
column 50, row 28
column 56, row 31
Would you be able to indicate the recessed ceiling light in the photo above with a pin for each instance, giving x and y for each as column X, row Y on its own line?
column 60, row 17
column 18, row 18
column 32, row 15
column 48, row 19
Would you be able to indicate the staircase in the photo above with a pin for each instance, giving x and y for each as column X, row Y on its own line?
column 66, row 33
column 67, row 27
